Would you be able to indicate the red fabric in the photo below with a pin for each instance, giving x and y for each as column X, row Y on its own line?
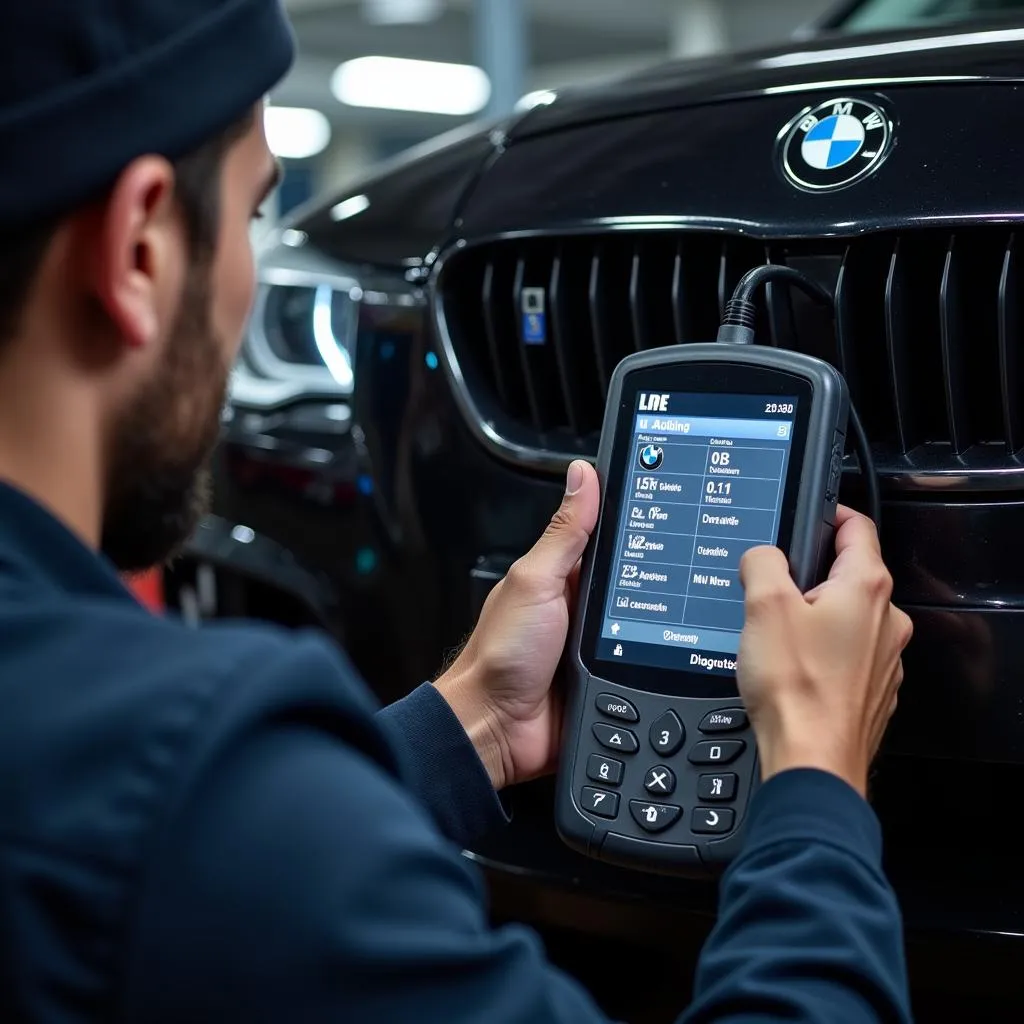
column 148, row 588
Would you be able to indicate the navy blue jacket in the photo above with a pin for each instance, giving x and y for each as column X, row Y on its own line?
column 220, row 825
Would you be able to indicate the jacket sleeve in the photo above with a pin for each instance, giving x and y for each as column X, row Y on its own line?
column 293, row 877
column 809, row 929
column 441, row 766
column 302, row 884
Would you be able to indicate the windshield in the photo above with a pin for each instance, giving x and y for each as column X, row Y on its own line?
column 886, row 14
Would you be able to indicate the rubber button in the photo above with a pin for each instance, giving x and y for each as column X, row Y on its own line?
column 712, row 820
column 616, row 707
column 604, row 769
column 716, row 751
column 616, row 738
column 660, row 781
column 654, row 817
column 727, row 720
column 599, row 802
column 667, row 733
column 717, row 787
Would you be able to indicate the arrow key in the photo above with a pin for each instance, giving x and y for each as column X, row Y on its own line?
column 712, row 820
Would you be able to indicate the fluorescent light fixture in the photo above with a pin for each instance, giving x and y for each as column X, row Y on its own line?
column 243, row 534
column 540, row 98
column 401, row 12
column 349, row 208
column 296, row 133
column 423, row 86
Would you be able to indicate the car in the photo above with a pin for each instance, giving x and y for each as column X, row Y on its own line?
column 392, row 444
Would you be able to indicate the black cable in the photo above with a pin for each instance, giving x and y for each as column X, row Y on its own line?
column 867, row 468
column 738, row 329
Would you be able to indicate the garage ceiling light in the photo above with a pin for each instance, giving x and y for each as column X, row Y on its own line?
column 540, row 98
column 423, row 86
column 349, row 208
column 296, row 133
column 401, row 12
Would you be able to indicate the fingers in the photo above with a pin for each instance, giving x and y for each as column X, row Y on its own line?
column 903, row 627
column 855, row 532
column 557, row 552
column 859, row 556
column 765, row 578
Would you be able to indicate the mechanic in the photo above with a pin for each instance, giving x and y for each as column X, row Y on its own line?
column 219, row 824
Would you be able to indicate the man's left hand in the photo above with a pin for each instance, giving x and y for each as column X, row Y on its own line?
column 500, row 686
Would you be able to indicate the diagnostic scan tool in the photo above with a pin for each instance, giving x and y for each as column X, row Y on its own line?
column 707, row 450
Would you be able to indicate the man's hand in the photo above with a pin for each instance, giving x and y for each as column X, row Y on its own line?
column 500, row 685
column 819, row 672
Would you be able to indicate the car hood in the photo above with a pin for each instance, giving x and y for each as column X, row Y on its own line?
column 981, row 52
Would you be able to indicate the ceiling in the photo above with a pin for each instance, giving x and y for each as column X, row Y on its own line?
column 568, row 41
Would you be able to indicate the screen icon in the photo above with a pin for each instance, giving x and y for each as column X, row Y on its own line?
column 651, row 456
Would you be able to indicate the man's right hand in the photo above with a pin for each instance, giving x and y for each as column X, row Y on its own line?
column 819, row 672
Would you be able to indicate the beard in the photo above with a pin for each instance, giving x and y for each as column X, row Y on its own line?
column 159, row 487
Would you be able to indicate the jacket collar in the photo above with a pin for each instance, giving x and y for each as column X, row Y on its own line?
column 36, row 546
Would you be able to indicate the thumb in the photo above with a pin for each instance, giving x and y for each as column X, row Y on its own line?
column 765, row 578
column 561, row 546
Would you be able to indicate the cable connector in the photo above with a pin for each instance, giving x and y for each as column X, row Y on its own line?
column 738, row 323
column 741, row 312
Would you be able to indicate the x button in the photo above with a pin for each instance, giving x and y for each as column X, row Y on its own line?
column 660, row 780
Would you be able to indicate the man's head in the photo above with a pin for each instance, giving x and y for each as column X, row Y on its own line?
column 129, row 301
column 164, row 428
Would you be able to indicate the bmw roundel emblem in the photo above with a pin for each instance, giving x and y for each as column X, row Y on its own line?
column 651, row 456
column 835, row 144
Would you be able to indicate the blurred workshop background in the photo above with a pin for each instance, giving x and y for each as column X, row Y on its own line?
column 376, row 77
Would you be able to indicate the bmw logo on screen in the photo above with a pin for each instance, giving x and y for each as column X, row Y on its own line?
column 651, row 456
column 835, row 144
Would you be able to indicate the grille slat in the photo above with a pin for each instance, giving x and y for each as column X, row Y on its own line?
column 491, row 334
column 637, row 313
column 928, row 329
column 781, row 328
column 954, row 379
column 602, row 348
column 680, row 307
column 898, row 349
column 845, row 329
column 1010, row 341
column 560, row 335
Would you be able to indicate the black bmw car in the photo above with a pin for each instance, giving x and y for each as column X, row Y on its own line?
column 430, row 349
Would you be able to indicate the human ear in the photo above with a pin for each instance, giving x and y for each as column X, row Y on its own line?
column 138, row 260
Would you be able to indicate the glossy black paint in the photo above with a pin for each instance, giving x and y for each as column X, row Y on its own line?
column 878, row 59
column 711, row 166
column 411, row 203
column 409, row 481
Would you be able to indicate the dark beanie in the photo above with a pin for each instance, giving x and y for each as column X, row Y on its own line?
column 86, row 86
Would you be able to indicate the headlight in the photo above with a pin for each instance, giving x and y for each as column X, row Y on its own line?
column 309, row 313
column 304, row 327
